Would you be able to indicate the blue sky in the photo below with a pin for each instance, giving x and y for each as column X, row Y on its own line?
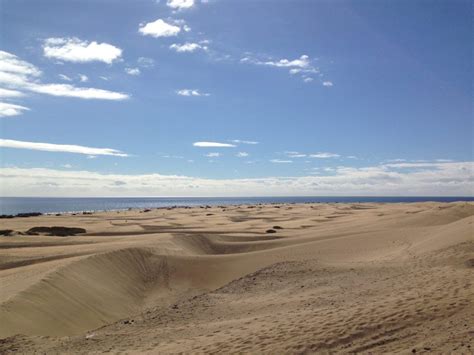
column 302, row 97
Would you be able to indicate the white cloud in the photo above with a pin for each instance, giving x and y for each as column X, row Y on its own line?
column 66, row 90
column 65, row 77
column 79, row 51
column 301, row 65
column 180, row 4
column 83, row 78
column 239, row 141
column 159, row 28
column 395, row 160
column 411, row 165
column 242, row 155
column 213, row 145
column 11, row 64
column 444, row 179
column 295, row 154
column 187, row 47
column 145, row 62
column 280, row 161
column 14, row 72
column 302, row 62
column 191, row 92
column 8, row 110
column 320, row 155
column 324, row 155
column 6, row 93
column 132, row 71
column 67, row 166
column 213, row 155
column 18, row 74
column 66, row 148
column 328, row 83
column 168, row 156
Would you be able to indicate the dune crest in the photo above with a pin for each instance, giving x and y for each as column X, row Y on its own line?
column 331, row 277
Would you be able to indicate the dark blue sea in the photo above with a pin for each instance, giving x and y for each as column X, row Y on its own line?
column 14, row 205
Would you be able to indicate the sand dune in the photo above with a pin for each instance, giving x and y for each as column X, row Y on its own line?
column 332, row 278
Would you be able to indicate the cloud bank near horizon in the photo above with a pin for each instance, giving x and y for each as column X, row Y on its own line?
column 433, row 179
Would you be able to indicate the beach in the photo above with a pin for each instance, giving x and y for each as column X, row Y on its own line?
column 274, row 278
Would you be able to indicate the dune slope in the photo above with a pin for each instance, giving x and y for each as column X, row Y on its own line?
column 334, row 277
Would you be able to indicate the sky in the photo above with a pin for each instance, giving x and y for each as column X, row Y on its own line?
column 236, row 98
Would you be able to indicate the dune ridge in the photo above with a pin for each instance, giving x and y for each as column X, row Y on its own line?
column 334, row 277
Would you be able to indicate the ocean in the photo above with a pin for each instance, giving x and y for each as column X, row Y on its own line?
column 14, row 205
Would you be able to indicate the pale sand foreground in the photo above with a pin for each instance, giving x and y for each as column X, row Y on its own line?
column 336, row 278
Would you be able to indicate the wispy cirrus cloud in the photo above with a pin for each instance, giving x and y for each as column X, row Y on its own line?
column 320, row 155
column 6, row 93
column 12, row 66
column 171, row 156
column 324, row 155
column 281, row 161
column 19, row 76
column 8, row 109
column 73, row 49
column 213, row 145
column 65, row 90
column 239, row 141
column 242, row 155
column 65, row 148
column 65, row 77
column 293, row 154
column 396, row 160
column 191, row 92
column 414, row 165
column 159, row 28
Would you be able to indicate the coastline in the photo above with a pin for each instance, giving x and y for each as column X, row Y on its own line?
column 68, row 205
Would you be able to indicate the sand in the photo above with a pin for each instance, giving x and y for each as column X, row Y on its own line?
column 369, row 278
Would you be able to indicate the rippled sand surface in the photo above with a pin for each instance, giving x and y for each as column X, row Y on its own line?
column 287, row 278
